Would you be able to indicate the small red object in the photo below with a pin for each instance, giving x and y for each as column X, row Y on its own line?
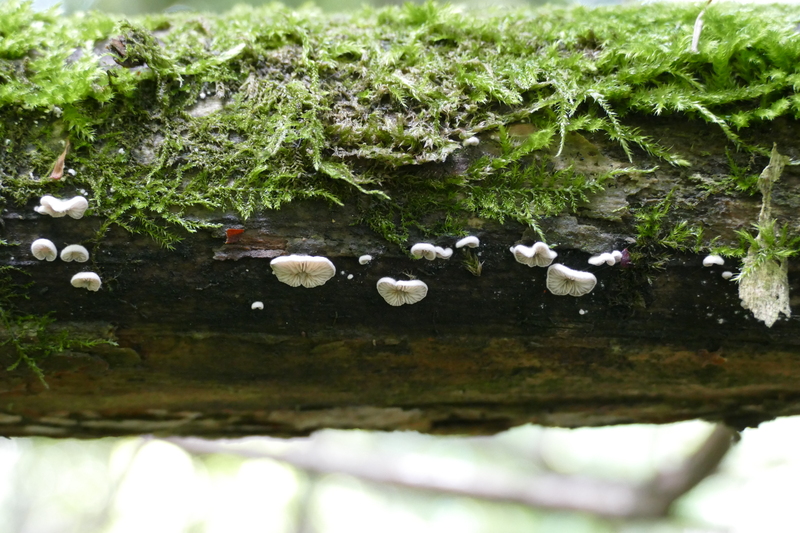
column 625, row 261
column 232, row 235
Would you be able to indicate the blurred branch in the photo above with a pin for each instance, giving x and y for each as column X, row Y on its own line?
column 605, row 498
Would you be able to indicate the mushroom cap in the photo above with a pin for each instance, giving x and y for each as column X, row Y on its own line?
column 617, row 255
column 86, row 280
column 713, row 260
column 727, row 274
column 471, row 241
column 537, row 255
column 606, row 258
column 257, row 305
column 471, row 141
column 401, row 292
column 562, row 280
column 364, row 259
column 74, row 207
column 306, row 270
column 443, row 253
column 424, row 249
column 75, row 252
column 44, row 249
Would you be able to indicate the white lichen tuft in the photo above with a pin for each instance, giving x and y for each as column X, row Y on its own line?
column 765, row 290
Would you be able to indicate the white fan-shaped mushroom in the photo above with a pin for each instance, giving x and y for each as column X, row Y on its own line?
column 364, row 259
column 75, row 252
column 424, row 249
column 257, row 305
column 44, row 249
column 727, row 274
column 402, row 292
column 713, row 260
column 617, row 255
column 598, row 260
column 443, row 253
column 74, row 207
column 562, row 280
column 537, row 255
column 471, row 241
column 86, row 280
column 308, row 271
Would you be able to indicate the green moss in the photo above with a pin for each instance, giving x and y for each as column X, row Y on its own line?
column 336, row 107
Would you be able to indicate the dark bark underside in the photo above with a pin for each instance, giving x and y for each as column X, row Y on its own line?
column 477, row 355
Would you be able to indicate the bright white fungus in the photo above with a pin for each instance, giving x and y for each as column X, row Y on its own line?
column 617, row 255
column 86, row 280
column 364, row 259
column 537, row 255
column 75, row 252
column 74, row 207
column 471, row 141
column 424, row 249
column 713, row 260
column 257, row 305
column 471, row 241
column 308, row 271
column 44, row 249
column 443, row 253
column 606, row 258
column 402, row 292
column 563, row 281
column 727, row 274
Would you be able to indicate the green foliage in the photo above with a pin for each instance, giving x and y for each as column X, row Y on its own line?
column 338, row 107
column 650, row 229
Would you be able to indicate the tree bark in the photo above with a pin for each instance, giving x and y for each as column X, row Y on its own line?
column 478, row 355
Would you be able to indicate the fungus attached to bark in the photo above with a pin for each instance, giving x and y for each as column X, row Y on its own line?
column 443, row 253
column 562, row 280
column 711, row 260
column 44, row 249
column 537, row 255
column 471, row 241
column 86, row 280
column 402, row 292
column 364, row 259
column 727, row 274
column 424, row 249
column 308, row 271
column 606, row 258
column 74, row 207
column 257, row 305
column 75, row 252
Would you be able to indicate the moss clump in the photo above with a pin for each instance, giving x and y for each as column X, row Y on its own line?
column 335, row 107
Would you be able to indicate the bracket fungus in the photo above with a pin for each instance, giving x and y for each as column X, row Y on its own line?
column 74, row 207
column 44, row 249
column 443, row 253
column 537, row 255
column 606, row 258
column 257, row 305
column 364, row 259
column 424, row 249
column 75, row 252
column 562, row 280
column 711, row 260
column 308, row 271
column 86, row 280
column 402, row 292
column 471, row 241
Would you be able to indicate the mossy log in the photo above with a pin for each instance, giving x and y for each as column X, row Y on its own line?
column 169, row 168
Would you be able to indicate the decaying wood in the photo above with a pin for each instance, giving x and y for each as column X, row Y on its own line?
column 477, row 355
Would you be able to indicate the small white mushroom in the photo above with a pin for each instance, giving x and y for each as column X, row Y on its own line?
column 86, row 280
column 257, row 305
column 75, row 252
column 424, row 249
column 44, row 249
column 727, row 274
column 443, row 253
column 364, row 259
column 537, row 255
column 562, row 280
column 74, row 207
column 308, row 271
column 471, row 241
column 606, row 258
column 617, row 255
column 471, row 141
column 401, row 292
column 713, row 260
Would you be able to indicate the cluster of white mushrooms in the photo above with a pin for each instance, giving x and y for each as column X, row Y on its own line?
column 45, row 250
column 561, row 280
column 711, row 260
